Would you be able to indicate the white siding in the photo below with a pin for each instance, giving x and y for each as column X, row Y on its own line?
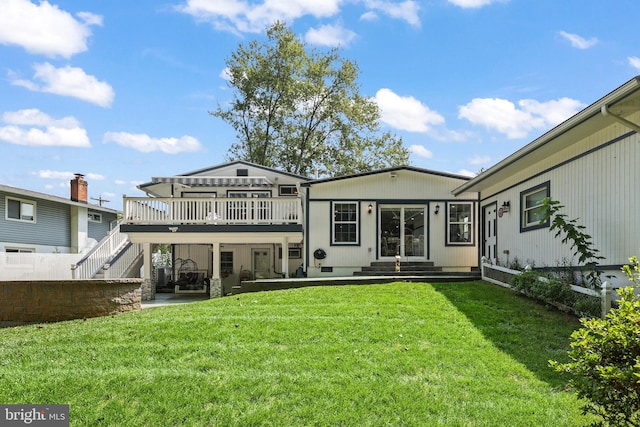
column 408, row 187
column 599, row 189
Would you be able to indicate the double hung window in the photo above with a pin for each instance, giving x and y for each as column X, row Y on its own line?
column 460, row 223
column 345, row 223
column 530, row 204
column 20, row 210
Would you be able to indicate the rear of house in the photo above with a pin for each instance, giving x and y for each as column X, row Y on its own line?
column 404, row 212
column 230, row 222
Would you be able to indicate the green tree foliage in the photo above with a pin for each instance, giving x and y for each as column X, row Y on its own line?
column 300, row 110
column 605, row 360
column 574, row 234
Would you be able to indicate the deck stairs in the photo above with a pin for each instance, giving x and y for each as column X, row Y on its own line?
column 417, row 270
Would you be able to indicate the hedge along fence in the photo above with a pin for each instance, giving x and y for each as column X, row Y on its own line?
column 503, row 277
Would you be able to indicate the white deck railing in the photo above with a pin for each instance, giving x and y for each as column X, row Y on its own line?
column 258, row 210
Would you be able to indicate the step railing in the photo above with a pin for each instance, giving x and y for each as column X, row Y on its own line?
column 96, row 258
column 120, row 264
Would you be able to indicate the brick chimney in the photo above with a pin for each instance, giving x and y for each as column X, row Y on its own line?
column 79, row 189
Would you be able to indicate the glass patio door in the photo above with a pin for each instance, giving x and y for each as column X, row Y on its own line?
column 402, row 231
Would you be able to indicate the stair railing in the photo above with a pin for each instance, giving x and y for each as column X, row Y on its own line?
column 96, row 258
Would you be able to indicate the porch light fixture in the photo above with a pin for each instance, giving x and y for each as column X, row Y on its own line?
column 437, row 209
column 369, row 208
column 505, row 206
column 173, row 229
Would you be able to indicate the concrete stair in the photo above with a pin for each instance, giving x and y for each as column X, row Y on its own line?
column 421, row 269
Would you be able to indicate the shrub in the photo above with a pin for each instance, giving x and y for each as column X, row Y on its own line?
column 605, row 360
column 544, row 288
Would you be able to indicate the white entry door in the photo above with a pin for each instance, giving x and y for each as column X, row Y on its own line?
column 490, row 232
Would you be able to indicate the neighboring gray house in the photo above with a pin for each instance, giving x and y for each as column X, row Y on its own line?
column 590, row 164
column 39, row 223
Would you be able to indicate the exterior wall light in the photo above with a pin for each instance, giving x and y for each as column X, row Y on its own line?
column 369, row 208
column 506, row 206
column 437, row 209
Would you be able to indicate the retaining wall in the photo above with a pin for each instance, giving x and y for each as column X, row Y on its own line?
column 54, row 300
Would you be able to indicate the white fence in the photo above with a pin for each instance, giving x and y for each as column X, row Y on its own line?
column 36, row 266
column 489, row 275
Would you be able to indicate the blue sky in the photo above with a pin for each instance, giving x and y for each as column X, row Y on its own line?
column 120, row 90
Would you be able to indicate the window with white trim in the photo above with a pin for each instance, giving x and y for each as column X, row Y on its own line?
column 20, row 210
column 460, row 223
column 287, row 190
column 20, row 250
column 530, row 204
column 345, row 223
column 95, row 217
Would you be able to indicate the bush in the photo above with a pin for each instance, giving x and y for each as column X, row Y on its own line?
column 605, row 361
column 543, row 288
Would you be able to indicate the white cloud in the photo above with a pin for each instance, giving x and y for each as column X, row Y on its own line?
column 474, row 4
column 330, row 35
column 504, row 117
column 405, row 10
column 369, row 16
column 479, row 160
column 243, row 16
column 225, row 74
column 45, row 29
column 35, row 117
column 579, row 41
column 34, row 128
column 49, row 174
column 466, row 172
column 405, row 113
column 634, row 61
column 253, row 16
column 67, row 81
column 147, row 144
column 420, row 151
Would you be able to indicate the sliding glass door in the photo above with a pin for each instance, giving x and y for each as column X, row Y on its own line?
column 402, row 231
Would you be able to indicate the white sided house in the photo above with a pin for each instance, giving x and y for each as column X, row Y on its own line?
column 368, row 219
column 232, row 222
column 590, row 164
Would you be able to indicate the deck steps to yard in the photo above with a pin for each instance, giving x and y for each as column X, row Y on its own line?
column 425, row 270
column 377, row 272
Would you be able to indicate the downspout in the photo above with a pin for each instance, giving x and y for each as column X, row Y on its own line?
column 605, row 112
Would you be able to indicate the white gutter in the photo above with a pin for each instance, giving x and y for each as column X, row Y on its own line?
column 605, row 112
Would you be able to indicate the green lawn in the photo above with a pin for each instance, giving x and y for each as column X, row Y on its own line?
column 415, row 354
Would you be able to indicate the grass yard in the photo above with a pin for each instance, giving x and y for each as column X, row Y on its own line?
column 414, row 354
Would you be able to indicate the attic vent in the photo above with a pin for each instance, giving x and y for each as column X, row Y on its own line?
column 242, row 172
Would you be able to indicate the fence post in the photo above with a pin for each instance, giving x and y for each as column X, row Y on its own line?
column 74, row 267
column 105, row 270
column 606, row 298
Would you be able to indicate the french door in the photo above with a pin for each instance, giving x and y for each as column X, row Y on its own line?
column 402, row 231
